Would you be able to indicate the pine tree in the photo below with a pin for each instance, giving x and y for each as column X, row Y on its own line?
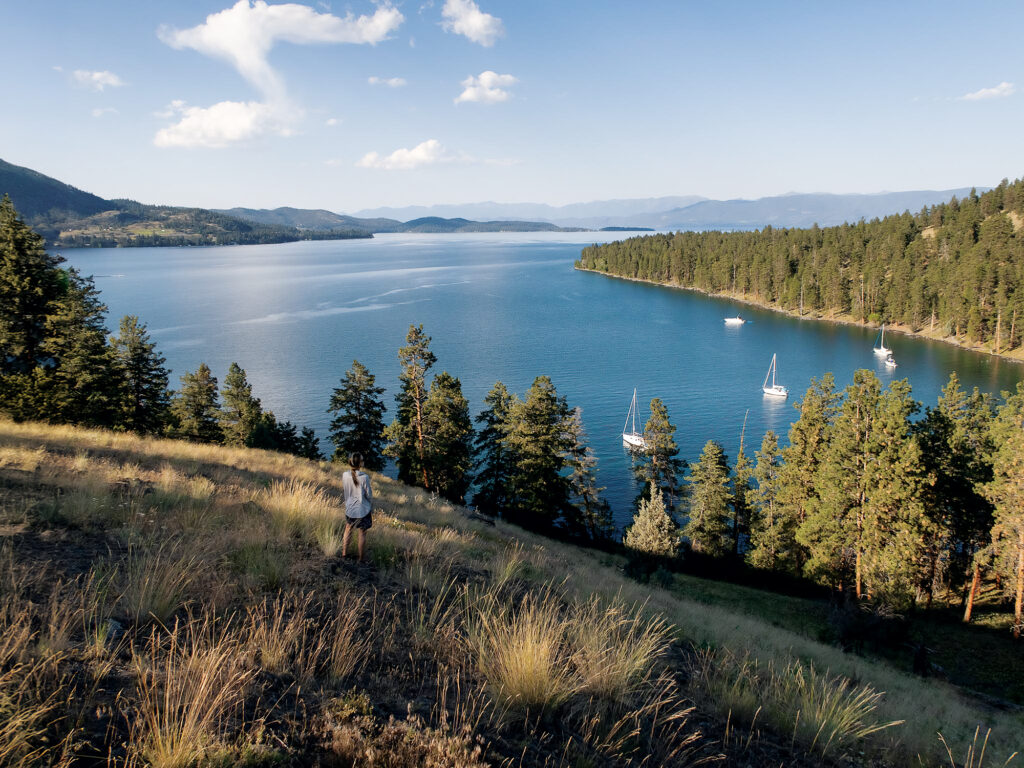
column 195, row 408
column 742, row 493
column 537, row 437
column 1006, row 492
column 30, row 280
column 80, row 383
column 653, row 531
column 801, row 459
column 358, row 423
column 708, row 526
column 772, row 537
column 241, row 412
column 448, row 436
column 495, row 463
column 591, row 517
column 659, row 465
column 146, row 399
column 309, row 445
column 956, row 452
column 405, row 435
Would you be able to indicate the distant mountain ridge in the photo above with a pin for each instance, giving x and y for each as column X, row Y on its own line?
column 700, row 213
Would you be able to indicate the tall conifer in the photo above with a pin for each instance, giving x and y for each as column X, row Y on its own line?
column 708, row 524
column 448, row 437
column 358, row 423
column 241, row 413
column 659, row 465
column 195, row 408
column 405, row 434
column 145, row 398
column 653, row 531
column 495, row 461
column 772, row 537
column 591, row 515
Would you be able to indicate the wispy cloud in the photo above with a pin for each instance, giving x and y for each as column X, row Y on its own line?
column 464, row 17
column 1000, row 91
column 101, row 111
column 243, row 36
column 390, row 82
column 332, row 121
column 429, row 152
column 486, row 88
column 95, row 81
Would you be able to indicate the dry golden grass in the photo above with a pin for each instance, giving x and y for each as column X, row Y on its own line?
column 187, row 685
column 473, row 608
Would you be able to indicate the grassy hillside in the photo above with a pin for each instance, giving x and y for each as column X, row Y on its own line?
column 173, row 604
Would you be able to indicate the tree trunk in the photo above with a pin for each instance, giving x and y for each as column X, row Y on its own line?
column 931, row 577
column 972, row 593
column 419, row 439
column 1019, row 602
column 857, row 572
column 999, row 323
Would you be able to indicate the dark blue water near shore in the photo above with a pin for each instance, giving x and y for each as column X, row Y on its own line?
column 503, row 307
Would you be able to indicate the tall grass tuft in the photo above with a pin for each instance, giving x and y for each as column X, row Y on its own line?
column 154, row 584
column 295, row 506
column 615, row 648
column 521, row 653
column 186, row 687
column 975, row 754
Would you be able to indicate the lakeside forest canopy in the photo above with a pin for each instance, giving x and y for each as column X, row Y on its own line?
column 957, row 267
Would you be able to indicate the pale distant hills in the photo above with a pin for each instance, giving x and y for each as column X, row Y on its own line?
column 71, row 217
column 696, row 213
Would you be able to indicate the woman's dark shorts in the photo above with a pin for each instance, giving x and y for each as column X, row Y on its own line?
column 360, row 523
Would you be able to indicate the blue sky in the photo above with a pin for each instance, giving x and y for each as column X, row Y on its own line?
column 357, row 105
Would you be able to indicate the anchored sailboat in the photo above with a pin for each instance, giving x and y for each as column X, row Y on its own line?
column 775, row 390
column 880, row 349
column 630, row 436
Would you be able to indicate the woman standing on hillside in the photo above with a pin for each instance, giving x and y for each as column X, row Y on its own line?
column 358, row 503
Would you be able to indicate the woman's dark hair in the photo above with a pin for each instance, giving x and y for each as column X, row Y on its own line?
column 356, row 460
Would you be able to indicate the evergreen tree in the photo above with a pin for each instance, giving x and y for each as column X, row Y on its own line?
column 591, row 515
column 146, row 398
column 659, row 465
column 956, row 452
column 405, row 435
column 1006, row 492
column 868, row 525
column 358, row 423
column 80, row 382
column 742, row 491
column 448, row 434
column 772, row 537
column 537, row 437
column 195, row 408
column 308, row 446
column 241, row 413
column 708, row 524
column 801, row 459
column 495, row 464
column 30, row 280
column 653, row 531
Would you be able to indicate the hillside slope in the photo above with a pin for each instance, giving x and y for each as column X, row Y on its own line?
column 141, row 575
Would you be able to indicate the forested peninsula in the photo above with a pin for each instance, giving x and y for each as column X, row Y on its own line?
column 953, row 272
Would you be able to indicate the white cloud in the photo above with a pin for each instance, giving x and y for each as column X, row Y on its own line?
column 390, row 82
column 332, row 121
column 222, row 124
column 1002, row 90
column 430, row 152
column 464, row 17
column 96, row 81
column 101, row 111
column 244, row 35
column 486, row 88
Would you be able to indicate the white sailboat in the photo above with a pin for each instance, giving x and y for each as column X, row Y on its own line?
column 775, row 390
column 890, row 362
column 630, row 436
column 738, row 320
column 880, row 349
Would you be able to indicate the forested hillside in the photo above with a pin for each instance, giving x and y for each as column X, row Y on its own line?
column 952, row 270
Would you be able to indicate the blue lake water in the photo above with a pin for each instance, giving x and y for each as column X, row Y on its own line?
column 505, row 307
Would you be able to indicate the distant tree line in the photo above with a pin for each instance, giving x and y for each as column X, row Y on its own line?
column 957, row 268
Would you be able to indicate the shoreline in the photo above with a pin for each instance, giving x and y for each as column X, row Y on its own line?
column 1014, row 356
